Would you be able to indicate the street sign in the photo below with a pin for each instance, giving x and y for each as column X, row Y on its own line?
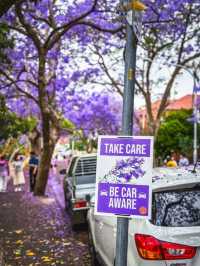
column 124, row 176
column 134, row 19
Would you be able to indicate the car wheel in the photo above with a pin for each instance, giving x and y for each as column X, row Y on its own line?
column 94, row 261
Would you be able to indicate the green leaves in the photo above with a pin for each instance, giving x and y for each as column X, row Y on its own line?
column 175, row 133
column 5, row 42
column 67, row 124
column 11, row 124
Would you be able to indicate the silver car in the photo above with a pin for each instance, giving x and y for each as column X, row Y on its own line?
column 170, row 238
column 79, row 186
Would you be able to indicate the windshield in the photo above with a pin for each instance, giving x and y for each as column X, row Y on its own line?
column 176, row 208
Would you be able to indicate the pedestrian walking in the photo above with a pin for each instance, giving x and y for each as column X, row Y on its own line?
column 16, row 166
column 3, row 173
column 183, row 161
column 33, row 170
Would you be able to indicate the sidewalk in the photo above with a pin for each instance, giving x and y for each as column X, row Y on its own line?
column 37, row 231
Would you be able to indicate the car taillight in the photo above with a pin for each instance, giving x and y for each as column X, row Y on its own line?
column 150, row 248
column 80, row 204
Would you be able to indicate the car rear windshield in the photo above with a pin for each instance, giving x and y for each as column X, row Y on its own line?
column 86, row 170
column 176, row 208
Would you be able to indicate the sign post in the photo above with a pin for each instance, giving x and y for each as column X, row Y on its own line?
column 124, row 170
column 127, row 117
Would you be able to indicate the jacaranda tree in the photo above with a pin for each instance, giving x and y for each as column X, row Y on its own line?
column 168, row 46
column 44, row 35
column 50, row 35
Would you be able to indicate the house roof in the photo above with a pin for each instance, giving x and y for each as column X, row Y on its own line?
column 185, row 102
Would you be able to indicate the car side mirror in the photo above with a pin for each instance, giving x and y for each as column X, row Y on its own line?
column 63, row 172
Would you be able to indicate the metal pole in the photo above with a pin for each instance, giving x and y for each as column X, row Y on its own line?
column 195, row 123
column 127, row 129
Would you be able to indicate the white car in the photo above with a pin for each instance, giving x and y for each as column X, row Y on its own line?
column 171, row 238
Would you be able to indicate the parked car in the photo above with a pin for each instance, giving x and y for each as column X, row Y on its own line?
column 170, row 238
column 79, row 186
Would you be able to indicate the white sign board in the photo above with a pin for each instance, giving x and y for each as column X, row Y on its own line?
column 124, row 176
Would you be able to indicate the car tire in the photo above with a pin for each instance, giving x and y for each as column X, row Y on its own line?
column 92, row 251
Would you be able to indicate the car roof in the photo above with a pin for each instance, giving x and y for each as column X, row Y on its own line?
column 85, row 155
column 175, row 177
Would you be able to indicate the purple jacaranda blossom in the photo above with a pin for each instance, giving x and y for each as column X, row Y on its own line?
column 125, row 170
column 66, row 59
column 94, row 112
column 76, row 40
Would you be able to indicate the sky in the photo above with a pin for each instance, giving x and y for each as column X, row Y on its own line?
column 183, row 86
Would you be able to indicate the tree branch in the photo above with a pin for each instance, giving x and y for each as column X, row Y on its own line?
column 166, row 94
column 55, row 35
column 29, row 29
column 105, row 68
column 184, row 37
column 14, row 82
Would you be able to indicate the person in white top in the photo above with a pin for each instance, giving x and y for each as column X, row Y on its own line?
column 183, row 161
column 16, row 166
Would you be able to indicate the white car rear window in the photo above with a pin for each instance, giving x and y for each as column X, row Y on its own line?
column 86, row 170
column 177, row 208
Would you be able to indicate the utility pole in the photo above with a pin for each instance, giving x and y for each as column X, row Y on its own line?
column 195, row 114
column 196, row 89
column 127, row 116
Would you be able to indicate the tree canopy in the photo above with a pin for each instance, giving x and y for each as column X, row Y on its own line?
column 38, row 84
column 169, row 46
column 5, row 5
column 52, row 65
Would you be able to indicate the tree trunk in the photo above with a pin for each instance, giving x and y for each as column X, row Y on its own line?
column 50, row 127
column 50, row 137
column 44, row 167
column 153, row 128
column 35, row 141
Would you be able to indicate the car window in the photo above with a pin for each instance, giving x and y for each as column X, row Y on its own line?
column 176, row 208
column 83, row 180
column 86, row 170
